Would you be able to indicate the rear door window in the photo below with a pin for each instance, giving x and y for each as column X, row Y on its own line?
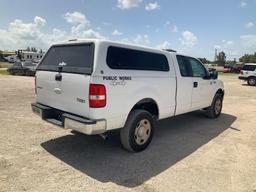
column 77, row 58
column 129, row 59
column 249, row 67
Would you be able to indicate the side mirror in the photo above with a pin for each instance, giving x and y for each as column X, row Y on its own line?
column 214, row 75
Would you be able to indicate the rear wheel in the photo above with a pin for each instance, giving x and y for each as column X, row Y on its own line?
column 214, row 110
column 138, row 131
column 251, row 81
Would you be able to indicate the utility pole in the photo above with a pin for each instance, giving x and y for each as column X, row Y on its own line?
column 216, row 55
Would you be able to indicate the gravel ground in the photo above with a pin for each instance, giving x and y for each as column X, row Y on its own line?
column 188, row 153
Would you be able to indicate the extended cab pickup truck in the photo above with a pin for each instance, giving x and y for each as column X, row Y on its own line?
column 95, row 86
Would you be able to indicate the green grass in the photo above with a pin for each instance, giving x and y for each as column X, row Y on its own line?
column 4, row 72
column 4, row 64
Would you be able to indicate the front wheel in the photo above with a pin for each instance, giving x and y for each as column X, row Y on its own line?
column 138, row 131
column 214, row 110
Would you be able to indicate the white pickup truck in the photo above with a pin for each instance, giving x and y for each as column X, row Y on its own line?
column 95, row 86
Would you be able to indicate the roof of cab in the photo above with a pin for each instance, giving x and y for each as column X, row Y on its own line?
column 79, row 41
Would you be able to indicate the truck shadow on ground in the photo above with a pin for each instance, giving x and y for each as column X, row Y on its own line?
column 106, row 161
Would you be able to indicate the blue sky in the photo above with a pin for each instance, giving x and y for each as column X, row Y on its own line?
column 192, row 27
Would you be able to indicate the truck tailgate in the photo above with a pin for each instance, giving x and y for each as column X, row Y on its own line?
column 63, row 78
column 70, row 94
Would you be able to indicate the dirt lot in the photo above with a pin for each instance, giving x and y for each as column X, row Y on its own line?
column 188, row 153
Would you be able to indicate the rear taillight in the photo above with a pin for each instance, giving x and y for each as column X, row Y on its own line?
column 35, row 86
column 97, row 96
column 241, row 72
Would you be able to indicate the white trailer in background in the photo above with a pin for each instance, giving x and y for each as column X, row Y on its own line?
column 31, row 56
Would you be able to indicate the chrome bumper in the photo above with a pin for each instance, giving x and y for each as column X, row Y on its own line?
column 69, row 121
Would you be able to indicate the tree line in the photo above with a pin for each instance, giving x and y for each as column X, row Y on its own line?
column 33, row 49
column 221, row 59
column 248, row 58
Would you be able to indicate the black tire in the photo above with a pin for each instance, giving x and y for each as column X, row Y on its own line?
column 138, row 131
column 214, row 110
column 251, row 81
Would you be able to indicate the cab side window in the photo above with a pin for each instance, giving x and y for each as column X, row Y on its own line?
column 184, row 66
column 198, row 70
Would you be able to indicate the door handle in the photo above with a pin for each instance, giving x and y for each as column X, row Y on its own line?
column 195, row 84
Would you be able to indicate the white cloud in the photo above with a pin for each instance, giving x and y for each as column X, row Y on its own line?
column 152, row 6
column 76, row 18
column 164, row 45
column 80, row 26
column 141, row 39
column 217, row 47
column 188, row 39
column 225, row 45
column 39, row 21
column 243, row 3
column 26, row 30
column 128, row 4
column 167, row 23
column 90, row 33
column 248, row 42
column 175, row 29
column 117, row 33
column 249, row 25
column 229, row 43
column 19, row 34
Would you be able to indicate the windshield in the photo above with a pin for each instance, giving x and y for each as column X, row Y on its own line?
column 77, row 58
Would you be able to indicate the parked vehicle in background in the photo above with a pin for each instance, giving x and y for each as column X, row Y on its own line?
column 248, row 73
column 232, row 68
column 12, row 58
column 22, row 68
column 96, row 86
column 227, row 68
column 238, row 67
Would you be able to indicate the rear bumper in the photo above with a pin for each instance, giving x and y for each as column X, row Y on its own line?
column 242, row 78
column 69, row 121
